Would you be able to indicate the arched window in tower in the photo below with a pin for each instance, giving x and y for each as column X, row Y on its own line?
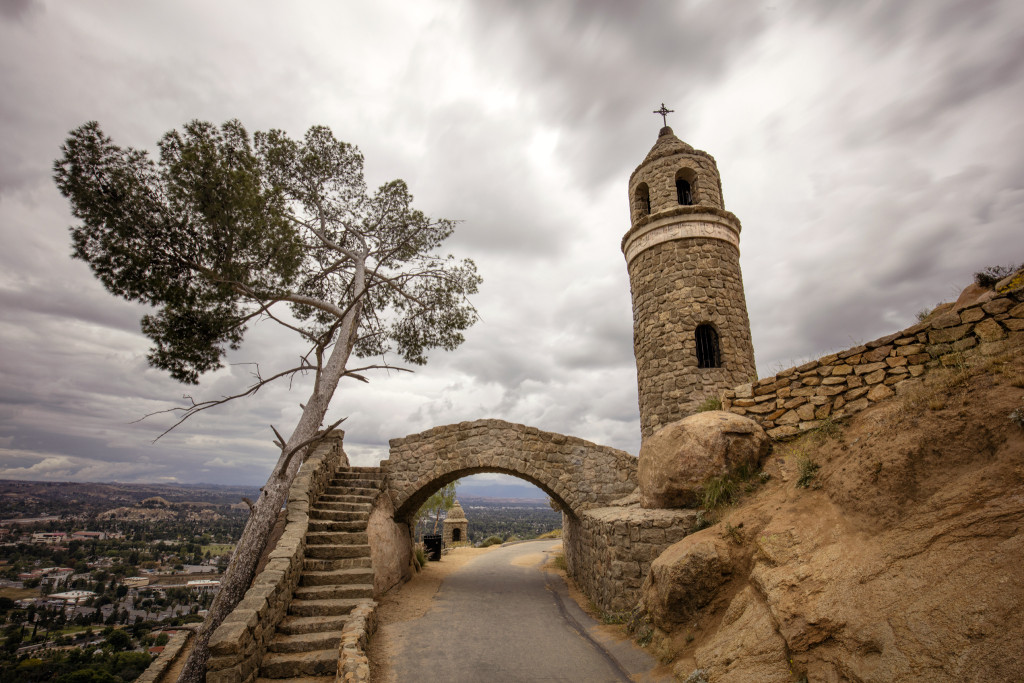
column 643, row 199
column 686, row 184
column 709, row 354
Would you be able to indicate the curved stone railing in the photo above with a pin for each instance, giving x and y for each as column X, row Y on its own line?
column 239, row 643
column 578, row 474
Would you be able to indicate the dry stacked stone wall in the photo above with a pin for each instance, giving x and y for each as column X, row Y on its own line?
column 609, row 550
column 677, row 286
column 800, row 398
column 239, row 643
column 576, row 473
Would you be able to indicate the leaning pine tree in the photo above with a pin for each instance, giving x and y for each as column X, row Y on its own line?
column 226, row 231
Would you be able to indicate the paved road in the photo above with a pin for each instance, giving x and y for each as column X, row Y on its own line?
column 502, row 620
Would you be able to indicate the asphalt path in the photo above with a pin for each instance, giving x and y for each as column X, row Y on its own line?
column 501, row 619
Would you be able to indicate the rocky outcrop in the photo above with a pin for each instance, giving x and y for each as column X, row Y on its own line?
column 900, row 562
column 678, row 459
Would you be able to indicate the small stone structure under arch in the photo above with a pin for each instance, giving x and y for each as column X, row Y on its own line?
column 456, row 526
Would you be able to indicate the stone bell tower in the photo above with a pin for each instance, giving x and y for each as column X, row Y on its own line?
column 691, row 335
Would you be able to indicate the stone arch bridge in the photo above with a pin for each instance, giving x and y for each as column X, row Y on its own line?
column 577, row 474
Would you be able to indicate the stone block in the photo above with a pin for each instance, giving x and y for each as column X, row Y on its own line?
column 948, row 334
column 877, row 354
column 989, row 331
column 852, row 352
column 805, row 412
column 879, row 392
column 1017, row 311
column 1014, row 324
column 945, row 320
column 996, row 306
column 875, row 377
column 869, row 368
column 895, row 362
column 857, row 406
column 910, row 349
column 972, row 315
column 783, row 431
column 830, row 390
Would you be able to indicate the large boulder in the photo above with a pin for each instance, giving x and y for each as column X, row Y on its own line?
column 676, row 460
column 686, row 578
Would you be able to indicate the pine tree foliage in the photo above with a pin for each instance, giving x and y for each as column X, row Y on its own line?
column 224, row 231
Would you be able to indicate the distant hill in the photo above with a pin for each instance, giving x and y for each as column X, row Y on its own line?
column 32, row 498
column 503, row 491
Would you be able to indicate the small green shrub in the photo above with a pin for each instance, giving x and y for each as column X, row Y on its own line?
column 1017, row 417
column 492, row 540
column 554, row 533
column 990, row 276
column 718, row 491
column 559, row 560
column 923, row 314
column 734, row 534
column 709, row 404
column 807, row 469
column 614, row 617
column 421, row 556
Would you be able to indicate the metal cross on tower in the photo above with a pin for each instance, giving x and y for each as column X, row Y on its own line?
column 663, row 111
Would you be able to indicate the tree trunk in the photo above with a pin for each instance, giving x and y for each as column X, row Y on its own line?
column 242, row 568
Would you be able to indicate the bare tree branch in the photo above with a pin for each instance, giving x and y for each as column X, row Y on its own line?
column 319, row 437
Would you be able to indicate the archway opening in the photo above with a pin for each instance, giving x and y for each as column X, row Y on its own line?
column 642, row 200
column 496, row 506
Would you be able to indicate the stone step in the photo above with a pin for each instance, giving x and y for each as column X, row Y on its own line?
column 340, row 515
column 292, row 625
column 336, row 538
column 327, row 499
column 300, row 679
column 351, row 591
column 305, row 642
column 338, row 577
column 322, row 608
column 333, row 552
column 333, row 525
column 359, row 484
column 332, row 491
column 364, row 470
column 332, row 565
column 290, row 664
column 353, row 506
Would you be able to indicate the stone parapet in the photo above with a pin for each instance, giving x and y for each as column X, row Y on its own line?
column 609, row 550
column 798, row 399
column 239, row 643
column 154, row 673
column 353, row 664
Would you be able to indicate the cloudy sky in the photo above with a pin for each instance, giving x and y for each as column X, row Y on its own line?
column 873, row 151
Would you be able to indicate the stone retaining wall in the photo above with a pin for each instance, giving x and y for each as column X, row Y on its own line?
column 576, row 473
column 353, row 664
column 800, row 398
column 239, row 643
column 609, row 550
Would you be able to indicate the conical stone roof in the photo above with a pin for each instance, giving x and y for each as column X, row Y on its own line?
column 667, row 144
column 456, row 514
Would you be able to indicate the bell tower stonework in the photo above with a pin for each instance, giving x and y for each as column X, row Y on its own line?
column 691, row 335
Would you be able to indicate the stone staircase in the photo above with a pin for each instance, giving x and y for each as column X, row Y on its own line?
column 337, row 575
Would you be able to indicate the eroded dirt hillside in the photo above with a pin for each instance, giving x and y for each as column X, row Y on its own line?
column 903, row 560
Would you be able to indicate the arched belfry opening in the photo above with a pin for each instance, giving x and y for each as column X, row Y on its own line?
column 642, row 199
column 709, row 353
column 686, row 186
